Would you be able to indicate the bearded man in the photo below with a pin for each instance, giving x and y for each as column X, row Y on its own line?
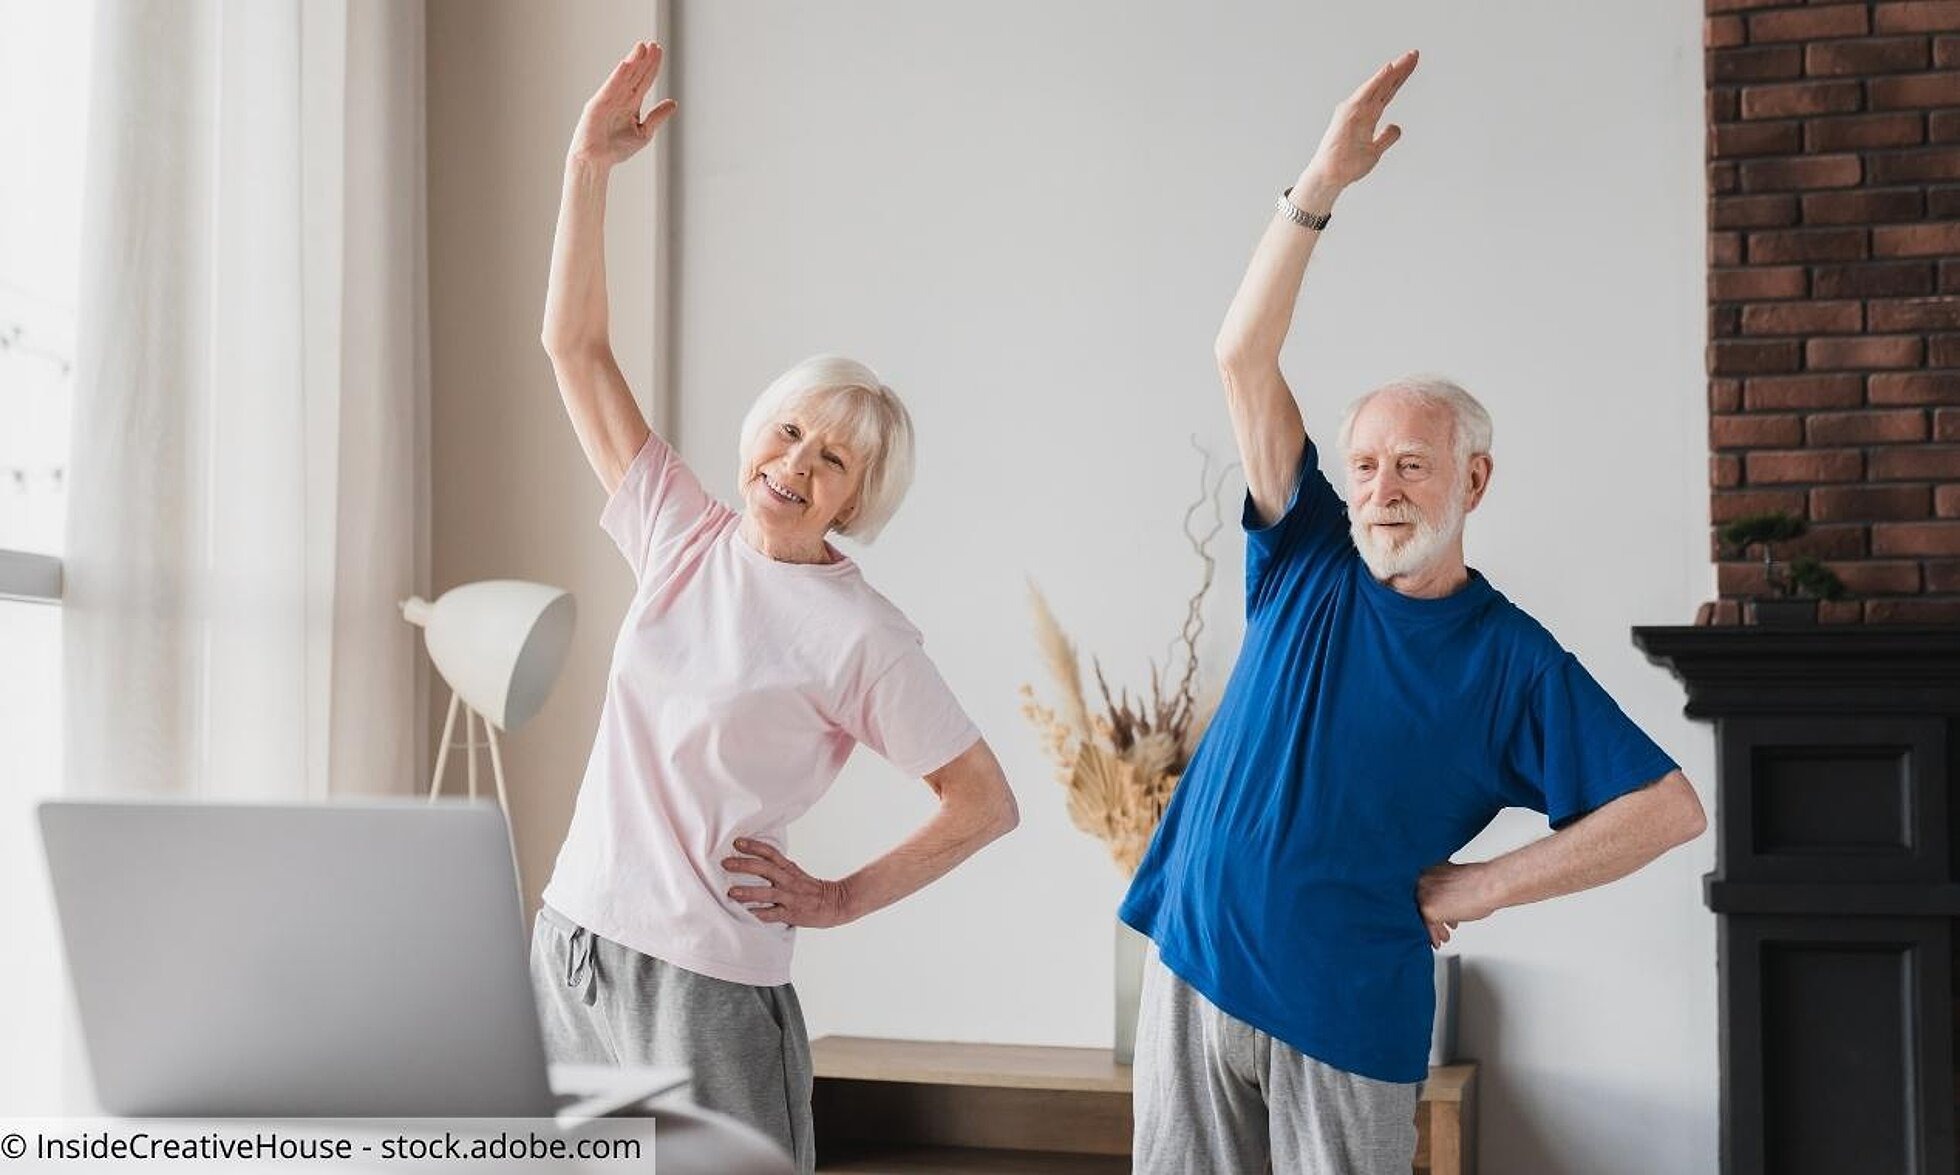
column 1387, row 703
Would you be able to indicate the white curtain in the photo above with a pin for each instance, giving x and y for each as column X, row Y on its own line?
column 248, row 497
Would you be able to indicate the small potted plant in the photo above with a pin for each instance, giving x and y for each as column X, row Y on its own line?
column 1795, row 587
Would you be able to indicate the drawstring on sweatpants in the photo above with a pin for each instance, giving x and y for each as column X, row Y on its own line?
column 578, row 966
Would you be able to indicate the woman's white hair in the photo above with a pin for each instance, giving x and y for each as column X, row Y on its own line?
column 1472, row 431
column 834, row 393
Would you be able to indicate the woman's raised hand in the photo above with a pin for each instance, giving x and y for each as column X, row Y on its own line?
column 611, row 129
column 1352, row 146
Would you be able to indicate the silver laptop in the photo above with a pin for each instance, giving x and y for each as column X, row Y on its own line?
column 351, row 960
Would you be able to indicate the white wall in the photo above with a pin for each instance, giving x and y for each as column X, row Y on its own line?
column 1030, row 217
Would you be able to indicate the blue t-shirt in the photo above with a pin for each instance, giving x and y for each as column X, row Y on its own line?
column 1364, row 736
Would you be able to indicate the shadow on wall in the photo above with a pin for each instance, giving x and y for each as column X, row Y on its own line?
column 1520, row 1115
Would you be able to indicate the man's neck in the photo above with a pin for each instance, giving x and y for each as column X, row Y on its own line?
column 1440, row 578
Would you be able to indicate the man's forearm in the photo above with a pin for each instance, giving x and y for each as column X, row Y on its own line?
column 1255, row 326
column 1601, row 847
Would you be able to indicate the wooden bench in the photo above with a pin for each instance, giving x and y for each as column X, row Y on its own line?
column 907, row 1107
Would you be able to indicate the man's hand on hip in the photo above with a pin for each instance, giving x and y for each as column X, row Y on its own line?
column 1449, row 894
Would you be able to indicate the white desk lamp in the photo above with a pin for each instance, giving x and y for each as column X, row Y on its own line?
column 499, row 644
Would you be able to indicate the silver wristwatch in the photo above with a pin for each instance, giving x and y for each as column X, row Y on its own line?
column 1299, row 216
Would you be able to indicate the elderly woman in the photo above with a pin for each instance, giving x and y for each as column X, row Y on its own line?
column 752, row 660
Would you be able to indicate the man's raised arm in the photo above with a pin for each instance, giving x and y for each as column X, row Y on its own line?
column 1265, row 418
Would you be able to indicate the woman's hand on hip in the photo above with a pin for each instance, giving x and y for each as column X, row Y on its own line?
column 792, row 896
column 611, row 129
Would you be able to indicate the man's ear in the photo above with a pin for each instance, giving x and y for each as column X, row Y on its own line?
column 1480, row 471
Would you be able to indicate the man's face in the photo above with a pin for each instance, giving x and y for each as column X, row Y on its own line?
column 1407, row 492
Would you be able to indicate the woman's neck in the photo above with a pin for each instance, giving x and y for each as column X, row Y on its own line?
column 786, row 549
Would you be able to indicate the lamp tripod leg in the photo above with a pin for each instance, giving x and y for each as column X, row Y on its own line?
column 442, row 756
column 497, row 765
column 470, row 720
column 503, row 800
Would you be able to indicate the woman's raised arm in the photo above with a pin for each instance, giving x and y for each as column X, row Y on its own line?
column 609, row 424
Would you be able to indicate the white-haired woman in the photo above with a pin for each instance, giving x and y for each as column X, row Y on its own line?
column 753, row 659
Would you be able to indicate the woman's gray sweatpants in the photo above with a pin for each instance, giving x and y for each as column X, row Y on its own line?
column 607, row 1004
column 1215, row 1096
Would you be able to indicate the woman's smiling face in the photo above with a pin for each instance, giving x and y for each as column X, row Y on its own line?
column 802, row 478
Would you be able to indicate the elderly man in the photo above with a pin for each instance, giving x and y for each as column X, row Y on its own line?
column 1387, row 703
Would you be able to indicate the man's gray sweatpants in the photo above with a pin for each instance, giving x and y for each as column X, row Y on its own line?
column 606, row 1004
column 1215, row 1096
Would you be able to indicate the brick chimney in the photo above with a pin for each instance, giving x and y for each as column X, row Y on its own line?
column 1834, row 294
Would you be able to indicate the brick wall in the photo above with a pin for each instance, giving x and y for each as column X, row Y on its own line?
column 1834, row 293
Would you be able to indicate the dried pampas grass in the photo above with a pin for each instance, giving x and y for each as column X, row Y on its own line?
column 1119, row 766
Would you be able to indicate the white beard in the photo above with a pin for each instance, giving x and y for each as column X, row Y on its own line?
column 1416, row 552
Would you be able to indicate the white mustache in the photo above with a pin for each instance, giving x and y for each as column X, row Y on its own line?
column 1378, row 515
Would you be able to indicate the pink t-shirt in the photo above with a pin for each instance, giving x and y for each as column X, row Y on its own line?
column 739, row 686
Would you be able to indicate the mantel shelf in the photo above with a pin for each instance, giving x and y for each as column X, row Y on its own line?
column 1810, row 669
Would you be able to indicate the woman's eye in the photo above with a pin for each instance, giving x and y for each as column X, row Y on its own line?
column 791, row 431
column 834, row 460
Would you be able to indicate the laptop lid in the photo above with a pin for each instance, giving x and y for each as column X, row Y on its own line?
column 346, row 960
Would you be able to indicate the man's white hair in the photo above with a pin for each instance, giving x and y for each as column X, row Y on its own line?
column 1471, row 434
column 832, row 392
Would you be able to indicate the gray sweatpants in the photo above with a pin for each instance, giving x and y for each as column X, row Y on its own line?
column 607, row 1004
column 1215, row 1096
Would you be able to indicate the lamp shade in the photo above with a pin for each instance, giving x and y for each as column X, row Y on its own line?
column 498, row 643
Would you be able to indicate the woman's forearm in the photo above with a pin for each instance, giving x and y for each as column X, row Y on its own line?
column 975, row 806
column 957, row 831
column 575, row 309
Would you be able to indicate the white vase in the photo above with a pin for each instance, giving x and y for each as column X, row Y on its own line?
column 1130, row 948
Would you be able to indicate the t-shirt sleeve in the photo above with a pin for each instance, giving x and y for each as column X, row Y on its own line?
column 908, row 714
column 657, row 503
column 1315, row 520
column 1574, row 749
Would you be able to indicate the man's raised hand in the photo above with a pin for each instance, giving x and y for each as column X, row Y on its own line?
column 1352, row 145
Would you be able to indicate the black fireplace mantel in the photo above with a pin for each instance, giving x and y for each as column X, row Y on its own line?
column 1835, row 889
column 1831, row 669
